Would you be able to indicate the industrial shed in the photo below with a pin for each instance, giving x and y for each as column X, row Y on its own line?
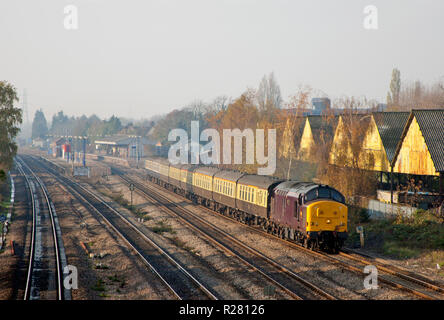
column 381, row 139
column 381, row 133
column 346, row 147
column 318, row 131
column 421, row 149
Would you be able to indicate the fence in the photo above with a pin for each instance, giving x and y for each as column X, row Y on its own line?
column 380, row 210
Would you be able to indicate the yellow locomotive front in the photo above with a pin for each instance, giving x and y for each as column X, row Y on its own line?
column 326, row 219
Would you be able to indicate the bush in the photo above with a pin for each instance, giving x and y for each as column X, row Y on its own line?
column 363, row 215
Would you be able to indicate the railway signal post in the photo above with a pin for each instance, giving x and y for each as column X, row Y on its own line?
column 131, row 188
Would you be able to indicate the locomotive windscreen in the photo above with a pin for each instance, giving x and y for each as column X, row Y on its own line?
column 324, row 193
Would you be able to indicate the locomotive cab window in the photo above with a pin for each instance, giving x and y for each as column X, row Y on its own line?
column 324, row 193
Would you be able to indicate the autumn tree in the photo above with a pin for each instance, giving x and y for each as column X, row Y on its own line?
column 10, row 120
column 241, row 114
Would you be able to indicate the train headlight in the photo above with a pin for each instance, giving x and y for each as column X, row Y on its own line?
column 328, row 221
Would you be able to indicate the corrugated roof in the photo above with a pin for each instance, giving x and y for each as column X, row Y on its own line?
column 431, row 123
column 390, row 126
column 321, row 125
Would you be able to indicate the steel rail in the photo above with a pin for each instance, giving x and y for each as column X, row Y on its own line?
column 199, row 285
column 232, row 239
column 324, row 256
column 392, row 270
column 59, row 273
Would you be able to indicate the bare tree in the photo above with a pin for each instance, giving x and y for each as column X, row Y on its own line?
column 268, row 96
column 294, row 122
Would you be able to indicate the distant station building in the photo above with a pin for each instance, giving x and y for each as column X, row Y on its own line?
column 39, row 143
column 122, row 146
column 320, row 105
column 55, row 147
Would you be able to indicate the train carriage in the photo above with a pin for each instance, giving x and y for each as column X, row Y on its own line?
column 174, row 175
column 203, row 182
column 186, row 178
column 224, row 192
column 164, row 170
column 158, row 169
column 152, row 166
column 253, row 193
column 312, row 214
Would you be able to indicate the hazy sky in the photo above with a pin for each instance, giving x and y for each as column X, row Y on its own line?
column 140, row 58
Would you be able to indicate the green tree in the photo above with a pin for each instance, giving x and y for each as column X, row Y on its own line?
column 112, row 126
column 180, row 119
column 59, row 124
column 39, row 125
column 10, row 120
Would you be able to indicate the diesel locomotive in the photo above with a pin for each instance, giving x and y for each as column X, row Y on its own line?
column 312, row 214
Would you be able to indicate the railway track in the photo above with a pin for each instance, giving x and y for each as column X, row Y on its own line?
column 177, row 279
column 393, row 270
column 296, row 286
column 47, row 257
column 355, row 262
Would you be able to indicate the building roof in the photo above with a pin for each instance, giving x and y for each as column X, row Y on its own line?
column 320, row 125
column 58, row 141
column 431, row 123
column 121, row 140
column 390, row 126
